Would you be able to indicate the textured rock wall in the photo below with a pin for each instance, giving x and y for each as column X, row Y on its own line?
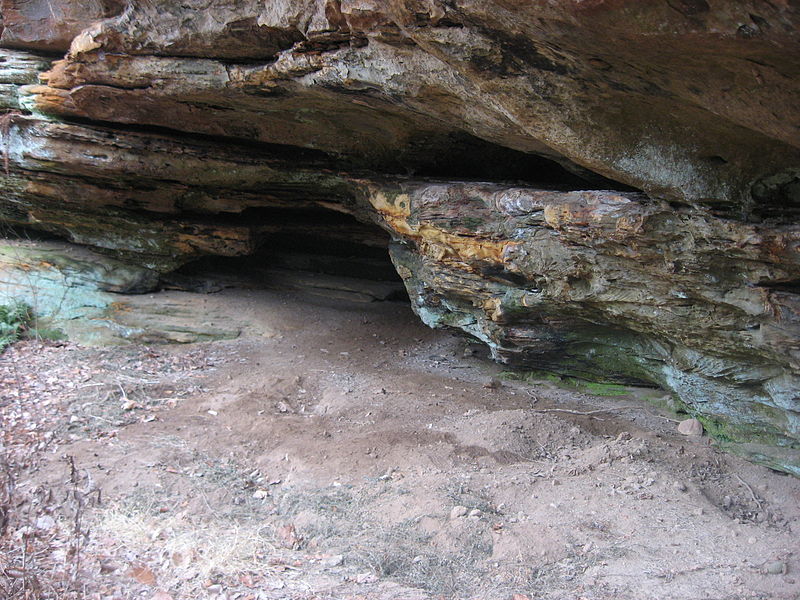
column 616, row 286
column 161, row 132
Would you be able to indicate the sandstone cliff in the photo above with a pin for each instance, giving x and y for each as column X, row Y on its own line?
column 605, row 188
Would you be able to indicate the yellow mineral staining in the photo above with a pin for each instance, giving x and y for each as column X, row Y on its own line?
column 493, row 308
column 530, row 300
column 633, row 224
column 433, row 241
column 558, row 215
column 395, row 211
column 404, row 272
column 119, row 307
column 606, row 216
column 448, row 247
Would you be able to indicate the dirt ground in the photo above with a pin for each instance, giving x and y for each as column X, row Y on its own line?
column 343, row 450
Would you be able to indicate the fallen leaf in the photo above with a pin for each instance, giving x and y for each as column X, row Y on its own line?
column 142, row 574
column 181, row 559
column 289, row 538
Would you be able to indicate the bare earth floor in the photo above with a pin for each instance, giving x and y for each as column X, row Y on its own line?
column 339, row 450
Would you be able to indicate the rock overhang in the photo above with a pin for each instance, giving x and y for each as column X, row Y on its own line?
column 164, row 128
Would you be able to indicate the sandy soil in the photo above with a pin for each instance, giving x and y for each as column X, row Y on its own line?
column 343, row 450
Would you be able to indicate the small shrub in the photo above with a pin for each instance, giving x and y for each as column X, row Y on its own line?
column 15, row 318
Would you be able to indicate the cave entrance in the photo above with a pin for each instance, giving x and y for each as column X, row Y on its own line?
column 321, row 252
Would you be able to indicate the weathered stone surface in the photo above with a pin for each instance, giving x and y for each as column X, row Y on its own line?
column 66, row 282
column 612, row 285
column 150, row 197
column 18, row 69
column 50, row 26
column 174, row 130
column 683, row 100
column 98, row 300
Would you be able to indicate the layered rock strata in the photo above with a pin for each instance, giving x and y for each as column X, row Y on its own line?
column 163, row 132
column 617, row 286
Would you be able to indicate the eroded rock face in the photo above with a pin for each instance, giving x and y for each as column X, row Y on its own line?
column 163, row 132
column 613, row 285
column 682, row 99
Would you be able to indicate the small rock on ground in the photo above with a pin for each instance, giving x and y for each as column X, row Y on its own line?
column 776, row 567
column 691, row 427
column 458, row 511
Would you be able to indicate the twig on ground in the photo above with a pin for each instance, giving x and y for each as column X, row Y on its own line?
column 534, row 398
column 658, row 416
column 749, row 489
column 103, row 419
column 588, row 413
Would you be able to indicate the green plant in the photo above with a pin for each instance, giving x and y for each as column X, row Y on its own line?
column 15, row 320
column 596, row 388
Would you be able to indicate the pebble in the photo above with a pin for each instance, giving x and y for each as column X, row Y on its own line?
column 45, row 522
column 106, row 567
column 691, row 427
column 458, row 511
column 493, row 384
column 475, row 513
column 333, row 561
column 680, row 486
column 776, row 567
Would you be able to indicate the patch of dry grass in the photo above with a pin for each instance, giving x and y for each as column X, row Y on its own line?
column 43, row 537
column 186, row 553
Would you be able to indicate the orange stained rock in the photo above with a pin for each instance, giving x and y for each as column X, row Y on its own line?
column 559, row 216
column 432, row 240
column 47, row 99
